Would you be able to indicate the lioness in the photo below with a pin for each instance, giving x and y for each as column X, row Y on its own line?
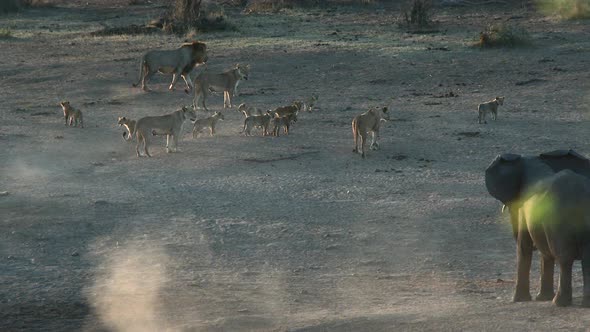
column 490, row 106
column 180, row 61
column 169, row 125
column 227, row 82
column 249, row 110
column 209, row 122
column 262, row 121
column 285, row 110
column 285, row 122
column 130, row 125
column 370, row 121
column 72, row 114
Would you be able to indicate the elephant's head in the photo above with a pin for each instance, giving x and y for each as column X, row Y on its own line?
column 509, row 174
column 504, row 177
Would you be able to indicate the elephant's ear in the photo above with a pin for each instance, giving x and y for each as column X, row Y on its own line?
column 559, row 160
column 504, row 177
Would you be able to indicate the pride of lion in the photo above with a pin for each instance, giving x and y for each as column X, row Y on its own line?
column 183, row 62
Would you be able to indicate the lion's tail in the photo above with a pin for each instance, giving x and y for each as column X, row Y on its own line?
column 127, row 137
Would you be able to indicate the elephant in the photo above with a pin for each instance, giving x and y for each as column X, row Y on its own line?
column 548, row 197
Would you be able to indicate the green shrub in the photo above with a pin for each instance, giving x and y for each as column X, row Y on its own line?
column 568, row 9
column 5, row 33
column 504, row 35
column 7, row 6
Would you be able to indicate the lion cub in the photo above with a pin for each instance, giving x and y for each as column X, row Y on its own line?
column 209, row 122
column 286, row 110
column 285, row 122
column 130, row 125
column 71, row 114
column 249, row 110
column 489, row 107
column 262, row 121
column 310, row 102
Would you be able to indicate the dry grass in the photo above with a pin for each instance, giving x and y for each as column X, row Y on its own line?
column 5, row 33
column 567, row 9
column 7, row 6
column 417, row 16
column 273, row 6
column 503, row 35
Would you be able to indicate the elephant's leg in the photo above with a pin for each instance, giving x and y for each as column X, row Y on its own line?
column 547, row 266
column 168, row 144
column 524, row 252
column 586, row 272
column 564, row 292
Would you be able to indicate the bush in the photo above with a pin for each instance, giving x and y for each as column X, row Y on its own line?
column 503, row 35
column 7, row 6
column 5, row 33
column 252, row 6
column 419, row 13
column 187, row 15
column 568, row 9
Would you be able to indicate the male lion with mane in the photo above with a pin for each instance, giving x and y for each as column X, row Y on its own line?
column 180, row 61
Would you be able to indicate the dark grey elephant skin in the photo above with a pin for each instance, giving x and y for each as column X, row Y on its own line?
column 548, row 197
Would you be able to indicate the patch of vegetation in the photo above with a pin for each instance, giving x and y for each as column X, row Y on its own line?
column 126, row 30
column 417, row 16
column 184, row 17
column 37, row 3
column 567, row 9
column 504, row 35
column 187, row 15
column 273, row 6
column 8, row 6
column 5, row 33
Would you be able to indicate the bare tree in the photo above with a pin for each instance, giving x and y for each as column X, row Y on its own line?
column 187, row 11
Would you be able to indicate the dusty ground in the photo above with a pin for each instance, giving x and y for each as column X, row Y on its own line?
column 292, row 233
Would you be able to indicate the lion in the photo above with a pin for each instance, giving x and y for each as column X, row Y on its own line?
column 262, row 121
column 227, row 82
column 370, row 121
column 249, row 110
column 130, row 125
column 180, row 61
column 71, row 114
column 284, row 122
column 169, row 125
column 209, row 122
column 489, row 107
column 286, row 110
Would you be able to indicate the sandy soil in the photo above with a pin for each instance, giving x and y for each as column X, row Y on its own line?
column 293, row 233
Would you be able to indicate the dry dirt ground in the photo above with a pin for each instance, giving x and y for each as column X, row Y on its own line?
column 294, row 233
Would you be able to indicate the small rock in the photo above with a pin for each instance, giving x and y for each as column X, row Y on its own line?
column 75, row 254
column 4, row 193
